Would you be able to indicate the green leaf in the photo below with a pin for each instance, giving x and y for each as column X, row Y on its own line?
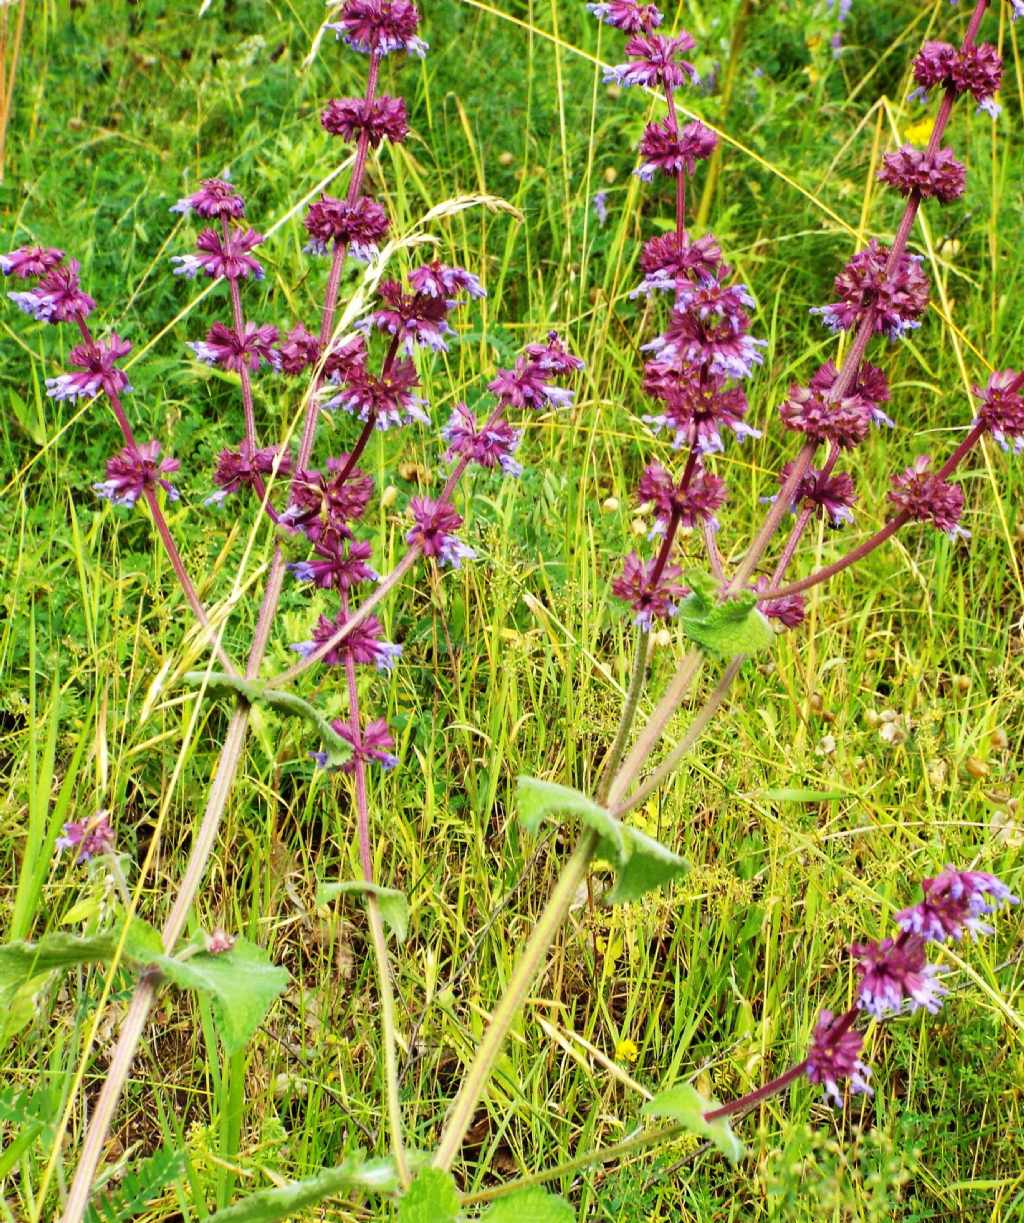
column 649, row 865
column 532, row 1205
column 687, row 1106
column 270, row 1205
column 394, row 908
column 641, row 863
column 723, row 629
column 242, row 984
column 336, row 749
column 432, row 1198
column 536, row 799
column 21, row 961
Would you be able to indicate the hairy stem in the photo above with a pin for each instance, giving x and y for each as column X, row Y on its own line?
column 380, row 949
column 694, row 731
column 626, row 718
column 460, row 1116
column 603, row 1155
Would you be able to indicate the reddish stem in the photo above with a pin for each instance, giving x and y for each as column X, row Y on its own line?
column 880, row 536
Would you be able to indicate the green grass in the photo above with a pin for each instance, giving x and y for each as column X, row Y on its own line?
column 516, row 664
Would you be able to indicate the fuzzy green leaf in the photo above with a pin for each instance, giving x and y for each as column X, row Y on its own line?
column 532, row 1205
column 287, row 1202
column 432, row 1198
column 536, row 799
column 687, row 1106
column 394, row 908
column 21, row 961
column 723, row 629
column 337, row 750
column 640, row 862
column 241, row 983
column 648, row 865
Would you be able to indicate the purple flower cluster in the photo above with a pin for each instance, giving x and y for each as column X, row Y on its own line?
column 224, row 347
column 226, row 255
column 831, row 494
column 380, row 27
column 896, row 975
column 245, row 468
column 653, row 595
column 935, row 175
column 420, row 318
column 88, row 838
column 656, row 61
column 96, row 371
column 1002, row 408
column 925, row 497
column 371, row 745
column 360, row 225
column 492, row 444
column 977, row 70
column 435, row 524
column 134, row 470
column 894, row 297
column 58, row 296
column 379, row 118
column 834, row 1055
column 365, row 644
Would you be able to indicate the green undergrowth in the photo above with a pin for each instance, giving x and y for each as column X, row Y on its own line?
column 873, row 745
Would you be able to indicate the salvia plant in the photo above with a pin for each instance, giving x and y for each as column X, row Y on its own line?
column 366, row 364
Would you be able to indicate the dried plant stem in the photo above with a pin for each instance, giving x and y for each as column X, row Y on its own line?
column 8, row 76
column 377, row 936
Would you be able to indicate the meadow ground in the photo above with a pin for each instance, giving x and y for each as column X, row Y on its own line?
column 880, row 741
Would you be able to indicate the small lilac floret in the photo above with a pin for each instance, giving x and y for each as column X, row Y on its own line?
column 89, row 838
column 834, row 1055
column 895, row 976
column 955, row 901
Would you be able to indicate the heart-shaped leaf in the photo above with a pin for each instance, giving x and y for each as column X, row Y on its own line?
column 727, row 628
column 242, row 984
column 641, row 863
column 394, row 908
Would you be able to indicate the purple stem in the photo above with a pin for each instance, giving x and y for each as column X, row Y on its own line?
column 386, row 586
column 673, row 119
column 160, row 522
column 371, row 419
column 880, row 536
column 673, row 521
column 839, row 1028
